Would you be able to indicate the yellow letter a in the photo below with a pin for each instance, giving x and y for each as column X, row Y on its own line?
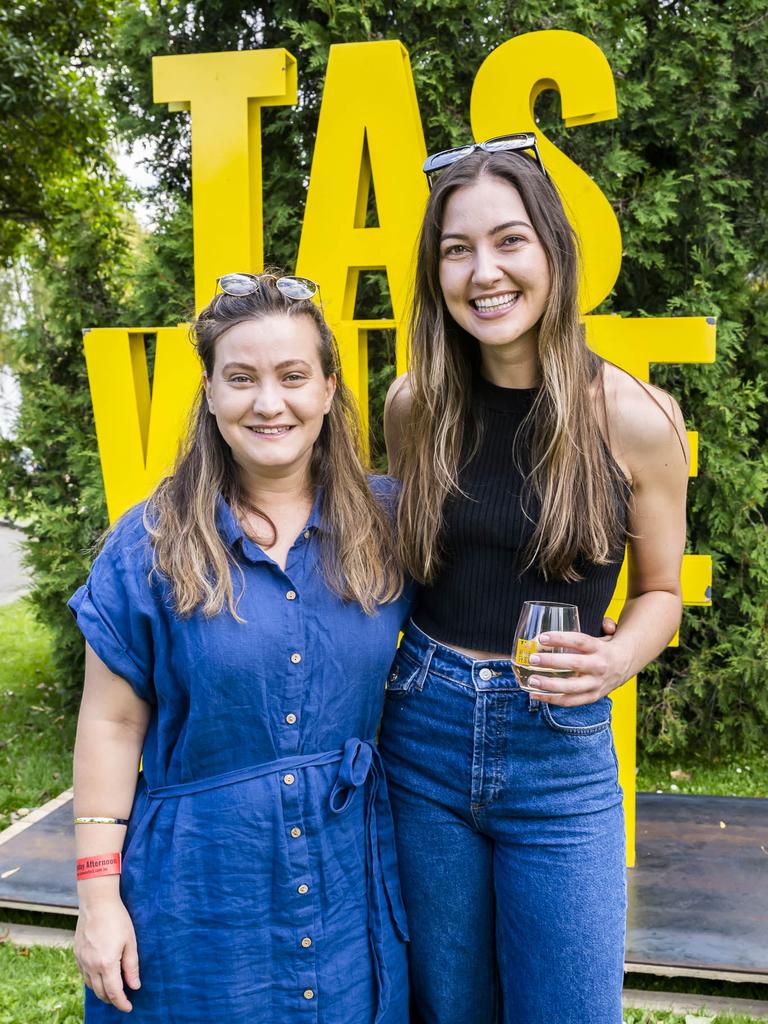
column 369, row 97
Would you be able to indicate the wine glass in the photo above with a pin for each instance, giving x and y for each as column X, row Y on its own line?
column 539, row 617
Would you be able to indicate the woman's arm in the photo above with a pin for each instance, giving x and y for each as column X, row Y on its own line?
column 110, row 735
column 650, row 441
column 397, row 412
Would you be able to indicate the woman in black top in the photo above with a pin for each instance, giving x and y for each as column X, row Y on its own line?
column 527, row 462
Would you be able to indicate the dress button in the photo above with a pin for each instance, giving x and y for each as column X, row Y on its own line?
column 295, row 832
column 295, row 658
column 291, row 719
column 289, row 779
column 306, row 942
column 308, row 993
column 306, row 535
column 485, row 673
column 291, row 595
column 303, row 889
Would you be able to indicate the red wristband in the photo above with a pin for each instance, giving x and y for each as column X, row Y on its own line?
column 100, row 864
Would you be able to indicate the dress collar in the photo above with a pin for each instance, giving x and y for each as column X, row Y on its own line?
column 232, row 532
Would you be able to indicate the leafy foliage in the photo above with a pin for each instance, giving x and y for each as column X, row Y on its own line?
column 51, row 116
column 684, row 167
column 50, row 470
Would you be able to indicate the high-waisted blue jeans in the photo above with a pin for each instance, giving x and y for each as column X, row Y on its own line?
column 510, row 837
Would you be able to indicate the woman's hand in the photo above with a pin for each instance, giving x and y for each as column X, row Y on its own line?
column 106, row 953
column 599, row 667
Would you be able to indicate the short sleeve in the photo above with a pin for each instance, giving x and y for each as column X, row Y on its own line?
column 115, row 608
column 386, row 491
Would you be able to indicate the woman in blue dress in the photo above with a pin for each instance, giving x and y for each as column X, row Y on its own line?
column 239, row 627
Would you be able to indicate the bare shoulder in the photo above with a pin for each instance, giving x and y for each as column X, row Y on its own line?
column 397, row 413
column 645, row 423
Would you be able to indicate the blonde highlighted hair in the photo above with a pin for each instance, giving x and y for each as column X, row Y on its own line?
column 574, row 485
column 358, row 554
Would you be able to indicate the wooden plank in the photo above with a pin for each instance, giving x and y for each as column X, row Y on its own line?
column 35, row 815
column 698, row 897
column 38, row 858
column 32, row 935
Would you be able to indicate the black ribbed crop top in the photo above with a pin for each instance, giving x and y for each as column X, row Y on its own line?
column 476, row 599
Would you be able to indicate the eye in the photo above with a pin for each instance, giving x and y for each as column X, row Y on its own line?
column 455, row 250
column 239, row 378
column 294, row 378
column 512, row 240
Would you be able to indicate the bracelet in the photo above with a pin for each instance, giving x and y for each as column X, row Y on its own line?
column 100, row 864
column 101, row 821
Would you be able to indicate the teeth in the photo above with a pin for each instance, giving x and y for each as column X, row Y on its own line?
column 496, row 301
column 270, row 430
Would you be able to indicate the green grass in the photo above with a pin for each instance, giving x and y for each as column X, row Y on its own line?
column 37, row 723
column 734, row 776
column 39, row 986
column 658, row 1017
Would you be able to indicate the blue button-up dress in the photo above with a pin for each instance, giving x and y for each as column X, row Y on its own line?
column 259, row 865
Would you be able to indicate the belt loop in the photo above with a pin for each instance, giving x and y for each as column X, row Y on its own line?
column 421, row 676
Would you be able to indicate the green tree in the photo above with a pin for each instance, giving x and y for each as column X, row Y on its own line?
column 52, row 124
column 50, row 471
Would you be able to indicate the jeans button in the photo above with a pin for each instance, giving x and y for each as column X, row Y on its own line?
column 486, row 674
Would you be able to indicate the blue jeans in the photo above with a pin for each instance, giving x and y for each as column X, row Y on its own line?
column 510, row 837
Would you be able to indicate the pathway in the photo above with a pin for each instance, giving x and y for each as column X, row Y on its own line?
column 14, row 579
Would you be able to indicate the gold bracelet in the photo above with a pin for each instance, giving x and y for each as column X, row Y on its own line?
column 101, row 821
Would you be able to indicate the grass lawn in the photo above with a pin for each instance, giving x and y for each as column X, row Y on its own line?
column 733, row 776
column 39, row 986
column 37, row 730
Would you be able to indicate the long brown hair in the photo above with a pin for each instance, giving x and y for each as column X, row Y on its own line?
column 357, row 542
column 569, row 470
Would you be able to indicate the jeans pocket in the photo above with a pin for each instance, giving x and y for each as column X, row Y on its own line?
column 406, row 673
column 584, row 720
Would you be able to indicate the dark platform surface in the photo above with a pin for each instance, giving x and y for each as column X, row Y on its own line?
column 45, row 856
column 698, row 897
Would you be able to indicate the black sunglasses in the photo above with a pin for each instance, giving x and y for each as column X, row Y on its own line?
column 502, row 143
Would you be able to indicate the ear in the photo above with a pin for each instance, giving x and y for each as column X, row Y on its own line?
column 330, row 391
column 208, row 396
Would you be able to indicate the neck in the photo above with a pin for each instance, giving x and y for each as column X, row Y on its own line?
column 266, row 490
column 511, row 366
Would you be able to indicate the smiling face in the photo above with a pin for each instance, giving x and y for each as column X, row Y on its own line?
column 494, row 272
column 269, row 395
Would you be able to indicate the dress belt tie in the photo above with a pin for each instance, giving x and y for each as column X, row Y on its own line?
column 359, row 766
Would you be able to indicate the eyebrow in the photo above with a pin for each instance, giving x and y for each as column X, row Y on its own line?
column 280, row 366
column 493, row 231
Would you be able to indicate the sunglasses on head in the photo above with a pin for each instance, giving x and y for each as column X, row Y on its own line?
column 501, row 144
column 245, row 284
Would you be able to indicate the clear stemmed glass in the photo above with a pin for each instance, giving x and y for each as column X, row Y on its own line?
column 539, row 617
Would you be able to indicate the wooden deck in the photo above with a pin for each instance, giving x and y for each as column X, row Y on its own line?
column 698, row 897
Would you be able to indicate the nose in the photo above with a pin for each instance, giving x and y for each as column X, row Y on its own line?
column 268, row 401
column 485, row 268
